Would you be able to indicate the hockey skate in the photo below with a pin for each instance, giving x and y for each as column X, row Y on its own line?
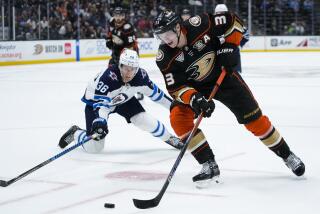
column 175, row 142
column 210, row 171
column 68, row 137
column 295, row 164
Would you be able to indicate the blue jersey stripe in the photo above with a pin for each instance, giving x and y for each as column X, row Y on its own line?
column 159, row 97
column 158, row 126
column 99, row 97
column 159, row 135
column 97, row 105
column 155, row 90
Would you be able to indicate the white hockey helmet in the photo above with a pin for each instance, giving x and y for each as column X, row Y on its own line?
column 129, row 58
column 220, row 8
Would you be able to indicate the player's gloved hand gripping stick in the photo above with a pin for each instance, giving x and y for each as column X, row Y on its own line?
column 7, row 183
column 145, row 204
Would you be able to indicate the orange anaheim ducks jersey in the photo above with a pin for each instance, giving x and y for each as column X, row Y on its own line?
column 195, row 67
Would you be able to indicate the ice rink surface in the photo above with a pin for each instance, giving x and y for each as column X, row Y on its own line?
column 40, row 102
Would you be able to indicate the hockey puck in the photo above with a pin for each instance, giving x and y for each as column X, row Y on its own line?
column 108, row 205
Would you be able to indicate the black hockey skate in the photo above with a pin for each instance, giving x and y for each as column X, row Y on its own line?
column 175, row 142
column 295, row 164
column 210, row 171
column 68, row 137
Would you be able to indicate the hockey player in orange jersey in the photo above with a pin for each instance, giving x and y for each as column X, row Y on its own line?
column 190, row 57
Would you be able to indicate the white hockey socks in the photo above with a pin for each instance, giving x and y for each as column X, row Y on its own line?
column 147, row 123
column 92, row 146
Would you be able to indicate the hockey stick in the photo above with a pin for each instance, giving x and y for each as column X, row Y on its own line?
column 7, row 183
column 145, row 204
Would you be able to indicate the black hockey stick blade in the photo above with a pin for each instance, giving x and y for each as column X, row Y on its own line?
column 146, row 204
column 3, row 183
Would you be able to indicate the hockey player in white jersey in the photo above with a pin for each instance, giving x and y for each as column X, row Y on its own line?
column 112, row 91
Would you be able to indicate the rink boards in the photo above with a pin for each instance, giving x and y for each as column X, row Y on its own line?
column 43, row 51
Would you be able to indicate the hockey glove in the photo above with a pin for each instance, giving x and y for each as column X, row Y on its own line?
column 109, row 43
column 199, row 104
column 228, row 57
column 100, row 127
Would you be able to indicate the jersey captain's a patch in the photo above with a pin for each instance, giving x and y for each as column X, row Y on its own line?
column 195, row 21
column 160, row 55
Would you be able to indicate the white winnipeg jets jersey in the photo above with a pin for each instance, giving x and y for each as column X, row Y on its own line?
column 108, row 90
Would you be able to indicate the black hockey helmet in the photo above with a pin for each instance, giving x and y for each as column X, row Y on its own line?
column 119, row 11
column 186, row 11
column 165, row 21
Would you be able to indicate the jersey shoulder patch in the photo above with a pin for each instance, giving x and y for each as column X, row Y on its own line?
column 197, row 26
column 112, row 74
column 195, row 21
column 127, row 26
column 160, row 55
column 165, row 56
column 140, row 79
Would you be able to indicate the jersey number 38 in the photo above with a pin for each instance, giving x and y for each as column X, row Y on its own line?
column 102, row 87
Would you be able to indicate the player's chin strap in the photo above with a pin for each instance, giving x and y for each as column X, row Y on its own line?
column 7, row 183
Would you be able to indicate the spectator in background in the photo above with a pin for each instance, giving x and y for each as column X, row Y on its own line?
column 279, row 13
column 62, row 31
column 195, row 2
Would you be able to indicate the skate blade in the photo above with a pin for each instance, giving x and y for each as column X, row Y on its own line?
column 207, row 183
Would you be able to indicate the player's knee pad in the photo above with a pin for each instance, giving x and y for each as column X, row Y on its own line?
column 143, row 120
column 136, row 119
column 259, row 126
column 92, row 146
column 263, row 129
column 181, row 119
column 146, row 122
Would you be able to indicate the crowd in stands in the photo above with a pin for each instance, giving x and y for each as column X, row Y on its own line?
column 45, row 19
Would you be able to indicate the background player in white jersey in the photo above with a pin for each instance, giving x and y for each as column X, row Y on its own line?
column 112, row 91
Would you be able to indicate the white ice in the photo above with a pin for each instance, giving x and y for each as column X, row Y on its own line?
column 40, row 102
